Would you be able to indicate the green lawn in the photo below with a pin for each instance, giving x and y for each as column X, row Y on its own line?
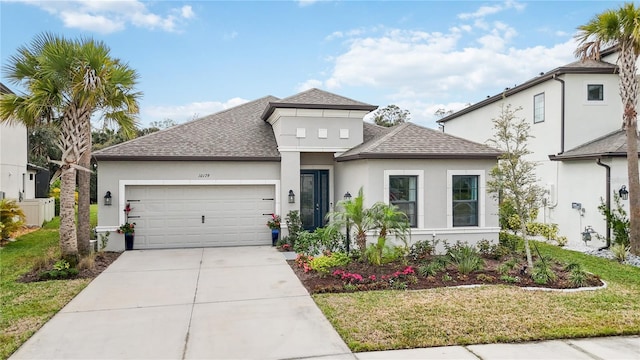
column 26, row 307
column 381, row 320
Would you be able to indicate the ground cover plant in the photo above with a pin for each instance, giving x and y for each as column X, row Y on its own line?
column 28, row 303
column 501, row 312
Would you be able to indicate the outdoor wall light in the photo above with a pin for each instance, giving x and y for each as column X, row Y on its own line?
column 347, row 196
column 624, row 194
column 107, row 198
column 292, row 197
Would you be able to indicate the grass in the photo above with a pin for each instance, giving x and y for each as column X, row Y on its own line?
column 26, row 307
column 382, row 320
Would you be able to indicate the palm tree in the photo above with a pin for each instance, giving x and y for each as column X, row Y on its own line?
column 354, row 214
column 69, row 81
column 621, row 28
column 389, row 220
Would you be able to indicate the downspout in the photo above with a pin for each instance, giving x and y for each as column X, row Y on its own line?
column 561, row 113
column 607, row 200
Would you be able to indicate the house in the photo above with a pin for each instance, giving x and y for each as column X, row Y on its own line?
column 18, row 178
column 215, row 181
column 575, row 114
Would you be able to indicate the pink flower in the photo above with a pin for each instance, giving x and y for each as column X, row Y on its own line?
column 372, row 278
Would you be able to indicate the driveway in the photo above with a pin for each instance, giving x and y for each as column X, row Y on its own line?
column 241, row 302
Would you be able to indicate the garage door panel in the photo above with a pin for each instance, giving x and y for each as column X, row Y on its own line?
column 171, row 216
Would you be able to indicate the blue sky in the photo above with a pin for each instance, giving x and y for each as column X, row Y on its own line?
column 199, row 57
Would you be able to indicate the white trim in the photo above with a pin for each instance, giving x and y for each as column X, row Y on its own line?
column 312, row 149
column 322, row 133
column 420, row 184
column 122, row 184
column 344, row 133
column 482, row 190
column 585, row 93
column 301, row 132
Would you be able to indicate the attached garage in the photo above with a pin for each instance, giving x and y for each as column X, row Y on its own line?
column 179, row 216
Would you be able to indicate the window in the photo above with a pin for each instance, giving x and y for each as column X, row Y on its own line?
column 403, row 193
column 538, row 108
column 465, row 200
column 595, row 92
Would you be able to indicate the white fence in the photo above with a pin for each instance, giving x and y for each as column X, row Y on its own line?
column 37, row 211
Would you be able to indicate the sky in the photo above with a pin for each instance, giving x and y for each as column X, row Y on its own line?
column 196, row 58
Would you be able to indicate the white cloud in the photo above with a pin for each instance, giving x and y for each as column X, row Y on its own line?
column 187, row 112
column 309, row 84
column 111, row 16
column 485, row 10
column 230, row 36
column 307, row 2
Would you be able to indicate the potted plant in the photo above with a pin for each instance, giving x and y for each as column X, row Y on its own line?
column 274, row 225
column 128, row 229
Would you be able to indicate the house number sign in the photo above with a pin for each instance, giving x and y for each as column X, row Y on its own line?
column 204, row 175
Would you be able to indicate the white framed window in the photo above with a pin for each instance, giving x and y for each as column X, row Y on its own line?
column 405, row 189
column 466, row 191
column 538, row 108
column 595, row 92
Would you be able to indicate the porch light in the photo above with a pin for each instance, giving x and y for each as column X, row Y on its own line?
column 347, row 196
column 107, row 198
column 624, row 194
column 292, row 197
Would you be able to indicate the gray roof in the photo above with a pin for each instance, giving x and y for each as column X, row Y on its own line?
column 4, row 89
column 234, row 134
column 613, row 144
column 576, row 67
column 370, row 131
column 411, row 141
column 316, row 99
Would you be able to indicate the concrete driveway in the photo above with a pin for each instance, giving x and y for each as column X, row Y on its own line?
column 242, row 302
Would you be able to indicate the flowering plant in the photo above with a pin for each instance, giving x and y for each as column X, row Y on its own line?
column 274, row 223
column 127, row 228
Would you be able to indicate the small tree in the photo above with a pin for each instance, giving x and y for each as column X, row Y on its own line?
column 391, row 115
column 11, row 217
column 514, row 178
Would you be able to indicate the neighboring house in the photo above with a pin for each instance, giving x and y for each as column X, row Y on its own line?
column 215, row 181
column 575, row 113
column 17, row 177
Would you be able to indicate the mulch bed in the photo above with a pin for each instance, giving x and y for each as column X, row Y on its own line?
column 316, row 282
column 102, row 261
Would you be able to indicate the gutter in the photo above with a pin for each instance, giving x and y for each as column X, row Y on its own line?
column 556, row 78
column 608, row 200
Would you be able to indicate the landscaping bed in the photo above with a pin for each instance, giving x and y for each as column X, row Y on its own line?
column 101, row 261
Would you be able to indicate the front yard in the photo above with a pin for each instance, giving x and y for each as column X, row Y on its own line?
column 381, row 320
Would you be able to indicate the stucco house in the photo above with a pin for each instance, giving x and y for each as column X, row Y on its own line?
column 215, row 181
column 18, row 178
column 575, row 114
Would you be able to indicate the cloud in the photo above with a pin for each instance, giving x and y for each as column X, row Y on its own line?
column 485, row 10
column 309, row 84
column 230, row 36
column 112, row 16
column 187, row 112
column 303, row 3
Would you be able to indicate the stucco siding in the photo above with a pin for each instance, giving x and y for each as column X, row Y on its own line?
column 13, row 159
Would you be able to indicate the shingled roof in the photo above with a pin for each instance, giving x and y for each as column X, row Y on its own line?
column 234, row 134
column 611, row 145
column 316, row 99
column 411, row 141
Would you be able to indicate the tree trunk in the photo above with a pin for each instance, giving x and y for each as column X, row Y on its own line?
column 84, row 197
column 68, row 240
column 361, row 239
column 634, row 188
column 527, row 248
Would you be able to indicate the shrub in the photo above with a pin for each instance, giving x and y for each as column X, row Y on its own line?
column 619, row 252
column 87, row 262
column 11, row 217
column 577, row 274
column 510, row 279
column 421, row 250
column 542, row 272
column 430, row 269
column 507, row 266
column 617, row 219
column 465, row 257
column 486, row 278
column 294, row 226
column 324, row 264
column 61, row 265
column 510, row 241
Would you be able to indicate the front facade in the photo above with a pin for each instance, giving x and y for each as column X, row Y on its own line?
column 14, row 179
column 569, row 109
column 216, row 181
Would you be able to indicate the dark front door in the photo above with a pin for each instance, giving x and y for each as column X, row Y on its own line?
column 314, row 198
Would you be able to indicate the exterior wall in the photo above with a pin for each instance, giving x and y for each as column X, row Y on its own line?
column 113, row 176
column 433, row 200
column 30, row 185
column 290, row 180
column 317, row 130
column 13, row 160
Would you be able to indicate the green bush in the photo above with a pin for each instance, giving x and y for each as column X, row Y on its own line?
column 577, row 274
column 294, row 227
column 321, row 239
column 430, row 269
column 620, row 252
column 542, row 272
column 617, row 219
column 510, row 241
column 11, row 217
column 465, row 257
column 421, row 250
column 324, row 264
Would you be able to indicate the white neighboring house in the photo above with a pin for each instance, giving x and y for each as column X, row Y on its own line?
column 17, row 177
column 215, row 181
column 575, row 114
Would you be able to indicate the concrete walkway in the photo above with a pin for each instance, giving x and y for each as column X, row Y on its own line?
column 235, row 303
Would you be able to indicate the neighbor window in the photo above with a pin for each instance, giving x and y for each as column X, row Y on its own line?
column 465, row 200
column 403, row 193
column 595, row 92
column 538, row 108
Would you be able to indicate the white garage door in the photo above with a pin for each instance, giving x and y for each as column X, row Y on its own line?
column 197, row 216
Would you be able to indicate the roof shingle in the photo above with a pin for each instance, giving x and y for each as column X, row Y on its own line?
column 612, row 144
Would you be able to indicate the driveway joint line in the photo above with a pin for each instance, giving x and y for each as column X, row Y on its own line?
column 328, row 356
column 124, row 308
column 472, row 353
column 576, row 347
column 253, row 299
column 193, row 305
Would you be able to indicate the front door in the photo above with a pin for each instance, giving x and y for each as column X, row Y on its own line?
column 314, row 198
